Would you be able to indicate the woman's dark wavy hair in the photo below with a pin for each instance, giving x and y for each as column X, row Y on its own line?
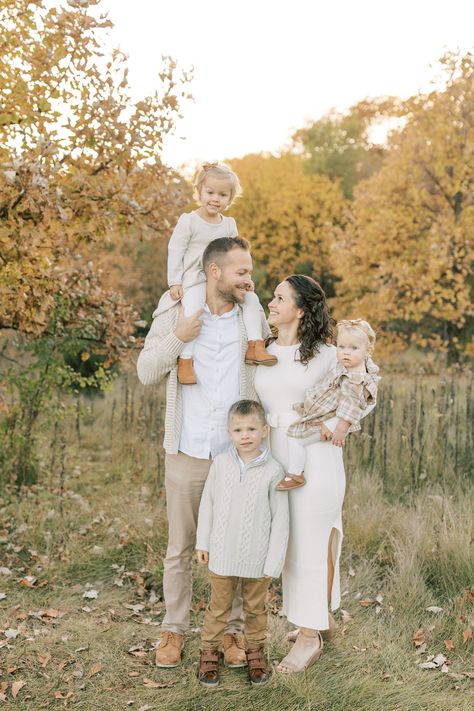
column 315, row 327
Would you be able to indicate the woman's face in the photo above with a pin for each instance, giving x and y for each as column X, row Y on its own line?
column 282, row 308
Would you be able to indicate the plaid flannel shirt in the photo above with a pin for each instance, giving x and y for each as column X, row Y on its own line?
column 342, row 394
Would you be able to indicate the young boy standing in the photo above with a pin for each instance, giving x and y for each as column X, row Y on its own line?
column 242, row 534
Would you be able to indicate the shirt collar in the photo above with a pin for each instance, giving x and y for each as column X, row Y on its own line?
column 227, row 314
column 260, row 459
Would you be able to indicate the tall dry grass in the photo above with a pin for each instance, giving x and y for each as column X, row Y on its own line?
column 97, row 519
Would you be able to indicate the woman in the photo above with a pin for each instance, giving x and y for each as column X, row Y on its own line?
column 300, row 315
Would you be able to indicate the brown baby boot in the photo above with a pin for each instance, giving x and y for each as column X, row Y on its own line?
column 257, row 354
column 186, row 374
column 291, row 481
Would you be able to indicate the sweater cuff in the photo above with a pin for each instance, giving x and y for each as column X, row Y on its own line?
column 173, row 344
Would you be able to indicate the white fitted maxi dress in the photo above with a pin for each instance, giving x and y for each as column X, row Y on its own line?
column 316, row 507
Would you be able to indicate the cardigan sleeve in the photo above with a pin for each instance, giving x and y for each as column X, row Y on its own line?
column 204, row 526
column 177, row 247
column 161, row 348
column 280, row 523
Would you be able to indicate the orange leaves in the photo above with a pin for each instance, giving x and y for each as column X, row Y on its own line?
column 95, row 669
column 69, row 180
column 419, row 637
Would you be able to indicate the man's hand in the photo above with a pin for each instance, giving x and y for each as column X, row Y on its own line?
column 202, row 557
column 176, row 292
column 188, row 327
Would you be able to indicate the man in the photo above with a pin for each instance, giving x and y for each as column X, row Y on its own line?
column 196, row 423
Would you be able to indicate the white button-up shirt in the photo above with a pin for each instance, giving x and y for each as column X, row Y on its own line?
column 206, row 405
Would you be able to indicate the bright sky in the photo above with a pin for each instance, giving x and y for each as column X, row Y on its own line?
column 265, row 67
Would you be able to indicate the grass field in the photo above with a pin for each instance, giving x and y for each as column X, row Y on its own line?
column 80, row 573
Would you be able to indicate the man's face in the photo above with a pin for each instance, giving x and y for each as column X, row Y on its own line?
column 233, row 276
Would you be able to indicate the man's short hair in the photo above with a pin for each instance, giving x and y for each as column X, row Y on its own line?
column 221, row 246
column 241, row 408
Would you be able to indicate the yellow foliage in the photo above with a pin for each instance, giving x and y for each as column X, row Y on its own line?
column 408, row 245
column 289, row 217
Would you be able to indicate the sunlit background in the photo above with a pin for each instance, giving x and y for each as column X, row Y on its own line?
column 261, row 69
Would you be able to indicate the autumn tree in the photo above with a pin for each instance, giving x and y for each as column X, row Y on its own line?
column 409, row 244
column 79, row 165
column 289, row 217
column 339, row 145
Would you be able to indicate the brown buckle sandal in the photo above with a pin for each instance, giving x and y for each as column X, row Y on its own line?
column 257, row 666
column 208, row 672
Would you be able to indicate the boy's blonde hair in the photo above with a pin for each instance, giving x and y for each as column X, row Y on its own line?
column 361, row 325
column 218, row 170
column 242, row 408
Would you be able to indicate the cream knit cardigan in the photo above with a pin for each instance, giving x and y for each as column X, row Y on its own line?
column 158, row 359
column 243, row 521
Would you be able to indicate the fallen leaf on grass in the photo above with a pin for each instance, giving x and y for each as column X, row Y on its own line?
column 150, row 684
column 60, row 695
column 3, row 596
column 147, row 707
column 449, row 644
column 44, row 659
column 136, row 608
column 467, row 635
column 133, row 673
column 5, row 571
column 51, row 612
column 95, row 669
column 433, row 662
column 346, row 616
column 366, row 603
column 11, row 633
column 66, row 663
column 16, row 686
column 28, row 581
column 419, row 637
column 90, row 594
column 434, row 609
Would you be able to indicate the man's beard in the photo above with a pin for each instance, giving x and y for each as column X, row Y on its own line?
column 227, row 294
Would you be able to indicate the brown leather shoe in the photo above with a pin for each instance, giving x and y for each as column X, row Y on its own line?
column 186, row 374
column 208, row 672
column 294, row 482
column 234, row 650
column 257, row 354
column 168, row 653
column 259, row 672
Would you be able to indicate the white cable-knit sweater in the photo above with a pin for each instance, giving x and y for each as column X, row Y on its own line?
column 243, row 521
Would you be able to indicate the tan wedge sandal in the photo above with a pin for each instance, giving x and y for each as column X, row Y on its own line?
column 327, row 635
column 305, row 652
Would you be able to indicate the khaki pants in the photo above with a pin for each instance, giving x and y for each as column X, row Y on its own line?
column 254, row 591
column 184, row 481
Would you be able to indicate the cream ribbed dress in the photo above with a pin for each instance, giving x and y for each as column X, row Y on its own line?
column 316, row 508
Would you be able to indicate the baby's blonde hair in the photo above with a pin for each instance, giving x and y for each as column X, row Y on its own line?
column 361, row 325
column 219, row 170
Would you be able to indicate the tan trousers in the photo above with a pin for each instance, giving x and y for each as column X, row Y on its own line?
column 184, row 481
column 254, row 591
